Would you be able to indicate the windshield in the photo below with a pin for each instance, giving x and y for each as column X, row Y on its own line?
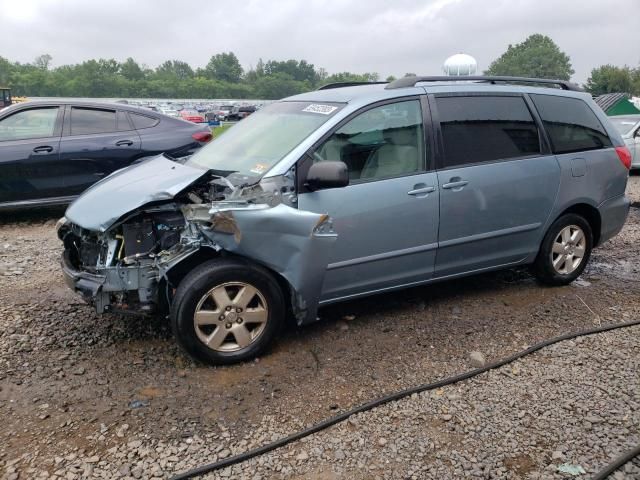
column 261, row 140
column 624, row 124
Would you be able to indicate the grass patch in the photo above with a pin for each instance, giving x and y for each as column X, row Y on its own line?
column 217, row 131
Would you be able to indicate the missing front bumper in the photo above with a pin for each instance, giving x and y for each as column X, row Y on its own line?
column 131, row 289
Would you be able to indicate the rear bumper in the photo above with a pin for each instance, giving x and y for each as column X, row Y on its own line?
column 613, row 214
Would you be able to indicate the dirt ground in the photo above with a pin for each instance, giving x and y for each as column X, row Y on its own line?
column 75, row 385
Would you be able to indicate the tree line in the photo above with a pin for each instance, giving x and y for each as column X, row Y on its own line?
column 223, row 76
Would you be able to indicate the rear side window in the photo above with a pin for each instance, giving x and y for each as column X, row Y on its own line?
column 88, row 120
column 482, row 129
column 142, row 121
column 572, row 126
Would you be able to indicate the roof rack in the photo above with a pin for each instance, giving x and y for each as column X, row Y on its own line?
column 329, row 86
column 411, row 81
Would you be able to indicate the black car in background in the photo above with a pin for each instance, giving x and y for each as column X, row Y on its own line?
column 50, row 152
column 238, row 113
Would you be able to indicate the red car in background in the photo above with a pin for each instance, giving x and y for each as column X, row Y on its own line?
column 192, row 116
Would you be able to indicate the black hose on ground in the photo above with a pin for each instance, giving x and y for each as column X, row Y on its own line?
column 242, row 457
column 617, row 463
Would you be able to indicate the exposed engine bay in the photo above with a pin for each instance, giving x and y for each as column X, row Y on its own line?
column 126, row 265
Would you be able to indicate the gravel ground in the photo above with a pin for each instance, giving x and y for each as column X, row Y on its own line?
column 87, row 396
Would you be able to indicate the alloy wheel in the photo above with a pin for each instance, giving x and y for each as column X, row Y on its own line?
column 568, row 249
column 230, row 316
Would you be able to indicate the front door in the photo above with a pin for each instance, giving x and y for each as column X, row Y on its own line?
column 29, row 150
column 387, row 218
column 497, row 182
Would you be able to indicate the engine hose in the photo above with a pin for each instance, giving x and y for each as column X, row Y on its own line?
column 242, row 457
column 617, row 463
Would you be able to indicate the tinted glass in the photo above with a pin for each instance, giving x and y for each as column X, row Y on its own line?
column 32, row 123
column 87, row 120
column 481, row 129
column 383, row 142
column 571, row 124
column 142, row 121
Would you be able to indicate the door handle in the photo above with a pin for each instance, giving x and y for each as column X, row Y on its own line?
column 123, row 143
column 455, row 185
column 421, row 191
column 43, row 149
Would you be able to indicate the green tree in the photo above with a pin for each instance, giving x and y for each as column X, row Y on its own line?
column 225, row 67
column 131, row 70
column 300, row 71
column 278, row 85
column 174, row 70
column 352, row 77
column 6, row 68
column 538, row 56
column 43, row 61
column 610, row 79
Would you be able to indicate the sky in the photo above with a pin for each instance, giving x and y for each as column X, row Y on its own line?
column 391, row 37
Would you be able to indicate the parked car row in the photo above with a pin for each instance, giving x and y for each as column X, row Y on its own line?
column 51, row 151
column 201, row 112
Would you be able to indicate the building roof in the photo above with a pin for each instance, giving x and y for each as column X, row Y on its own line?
column 608, row 100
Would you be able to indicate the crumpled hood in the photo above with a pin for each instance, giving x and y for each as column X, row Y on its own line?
column 152, row 180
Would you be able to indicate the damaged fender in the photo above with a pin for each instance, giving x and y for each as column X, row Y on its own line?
column 294, row 243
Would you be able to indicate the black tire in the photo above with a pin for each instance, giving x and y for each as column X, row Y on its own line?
column 216, row 273
column 543, row 268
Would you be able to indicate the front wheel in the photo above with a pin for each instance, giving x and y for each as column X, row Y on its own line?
column 565, row 250
column 227, row 311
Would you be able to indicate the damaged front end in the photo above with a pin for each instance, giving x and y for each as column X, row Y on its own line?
column 124, row 260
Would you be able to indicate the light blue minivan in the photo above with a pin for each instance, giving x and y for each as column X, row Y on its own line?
column 348, row 191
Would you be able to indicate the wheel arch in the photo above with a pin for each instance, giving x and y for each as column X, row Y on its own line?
column 177, row 273
column 590, row 214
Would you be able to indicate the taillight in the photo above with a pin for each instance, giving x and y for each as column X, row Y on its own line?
column 203, row 137
column 625, row 156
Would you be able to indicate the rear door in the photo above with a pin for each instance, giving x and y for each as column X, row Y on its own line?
column 498, row 181
column 95, row 142
column 387, row 218
column 29, row 151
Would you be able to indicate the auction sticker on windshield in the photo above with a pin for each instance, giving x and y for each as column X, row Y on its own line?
column 259, row 168
column 323, row 109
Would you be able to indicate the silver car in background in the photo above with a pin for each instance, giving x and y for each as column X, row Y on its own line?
column 345, row 192
column 629, row 128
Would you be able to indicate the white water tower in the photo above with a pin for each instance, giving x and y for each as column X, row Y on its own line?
column 460, row 64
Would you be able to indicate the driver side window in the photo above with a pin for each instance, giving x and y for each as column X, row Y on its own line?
column 385, row 141
column 27, row 124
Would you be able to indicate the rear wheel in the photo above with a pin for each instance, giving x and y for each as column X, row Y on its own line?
column 565, row 251
column 227, row 311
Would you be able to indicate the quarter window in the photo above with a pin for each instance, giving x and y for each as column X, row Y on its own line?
column 142, row 121
column 85, row 121
column 482, row 129
column 385, row 141
column 571, row 124
column 32, row 123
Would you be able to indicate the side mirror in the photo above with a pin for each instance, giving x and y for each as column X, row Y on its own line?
column 327, row 174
